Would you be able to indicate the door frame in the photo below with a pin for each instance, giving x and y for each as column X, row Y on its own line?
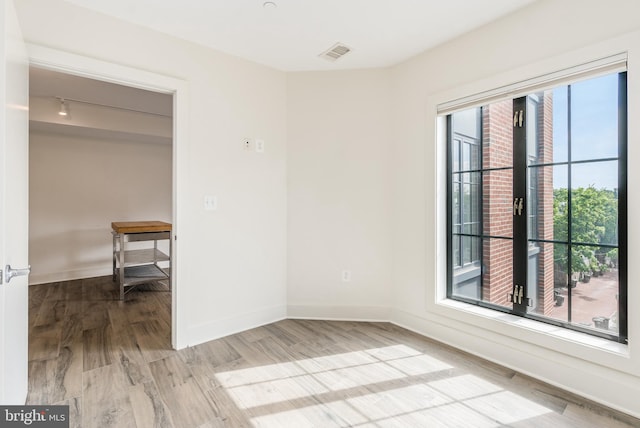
column 78, row 65
column 14, row 208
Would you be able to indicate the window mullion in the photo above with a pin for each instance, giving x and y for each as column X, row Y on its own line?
column 520, row 215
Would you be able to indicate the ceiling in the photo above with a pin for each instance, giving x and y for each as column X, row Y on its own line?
column 292, row 35
column 97, row 109
column 52, row 84
column 289, row 37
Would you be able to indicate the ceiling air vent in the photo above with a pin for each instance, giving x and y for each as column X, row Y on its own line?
column 335, row 52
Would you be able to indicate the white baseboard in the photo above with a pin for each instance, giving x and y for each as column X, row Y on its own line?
column 70, row 275
column 339, row 313
column 591, row 381
column 232, row 325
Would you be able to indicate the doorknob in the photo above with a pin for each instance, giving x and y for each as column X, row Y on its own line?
column 10, row 273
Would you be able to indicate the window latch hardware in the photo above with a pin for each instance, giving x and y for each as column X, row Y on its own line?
column 518, row 118
column 517, row 296
column 513, row 297
column 518, row 206
column 520, row 292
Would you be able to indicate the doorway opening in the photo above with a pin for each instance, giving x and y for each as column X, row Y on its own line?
column 100, row 152
column 105, row 71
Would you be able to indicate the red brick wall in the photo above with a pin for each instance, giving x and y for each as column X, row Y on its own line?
column 545, row 207
column 497, row 202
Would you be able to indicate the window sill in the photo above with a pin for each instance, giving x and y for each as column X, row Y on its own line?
column 541, row 334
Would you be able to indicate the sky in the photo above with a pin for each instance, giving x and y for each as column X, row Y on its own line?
column 594, row 132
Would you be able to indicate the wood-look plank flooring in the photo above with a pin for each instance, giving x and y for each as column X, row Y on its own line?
column 112, row 363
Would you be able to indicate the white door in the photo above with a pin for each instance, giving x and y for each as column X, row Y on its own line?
column 14, row 206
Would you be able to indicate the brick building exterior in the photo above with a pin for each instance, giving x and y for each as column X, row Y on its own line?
column 497, row 197
column 497, row 205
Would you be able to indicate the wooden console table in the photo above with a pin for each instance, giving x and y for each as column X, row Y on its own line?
column 132, row 267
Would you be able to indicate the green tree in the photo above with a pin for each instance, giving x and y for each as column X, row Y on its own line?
column 594, row 220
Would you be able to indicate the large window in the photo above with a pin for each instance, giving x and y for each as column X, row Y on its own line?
column 537, row 203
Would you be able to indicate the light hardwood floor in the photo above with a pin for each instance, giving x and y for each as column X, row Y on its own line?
column 111, row 362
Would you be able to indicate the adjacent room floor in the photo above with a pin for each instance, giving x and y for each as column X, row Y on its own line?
column 111, row 362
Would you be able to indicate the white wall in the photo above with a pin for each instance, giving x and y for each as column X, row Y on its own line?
column 357, row 200
column 233, row 259
column 547, row 36
column 77, row 187
column 339, row 209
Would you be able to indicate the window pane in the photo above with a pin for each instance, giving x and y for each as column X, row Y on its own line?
column 497, row 280
column 470, row 209
column 466, row 276
column 561, row 203
column 469, row 250
column 594, row 118
column 549, row 281
column 497, row 192
column 455, row 204
column 547, row 205
column 547, row 130
column 497, row 135
column 534, row 127
column 466, row 132
column 536, row 187
column 467, row 123
column 594, row 203
column 475, row 155
column 455, row 155
column 560, row 123
column 466, row 203
column 455, row 241
column 466, row 157
column 470, row 155
column 594, row 300
column 473, row 226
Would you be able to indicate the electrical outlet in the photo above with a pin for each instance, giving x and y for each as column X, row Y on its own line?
column 346, row 276
column 260, row 146
column 210, row 203
column 246, row 144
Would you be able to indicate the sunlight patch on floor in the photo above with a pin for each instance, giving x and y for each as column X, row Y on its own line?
column 448, row 401
column 257, row 386
column 275, row 391
column 506, row 407
column 464, row 387
column 398, row 401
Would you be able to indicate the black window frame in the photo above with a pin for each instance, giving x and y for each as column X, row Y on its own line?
column 521, row 239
